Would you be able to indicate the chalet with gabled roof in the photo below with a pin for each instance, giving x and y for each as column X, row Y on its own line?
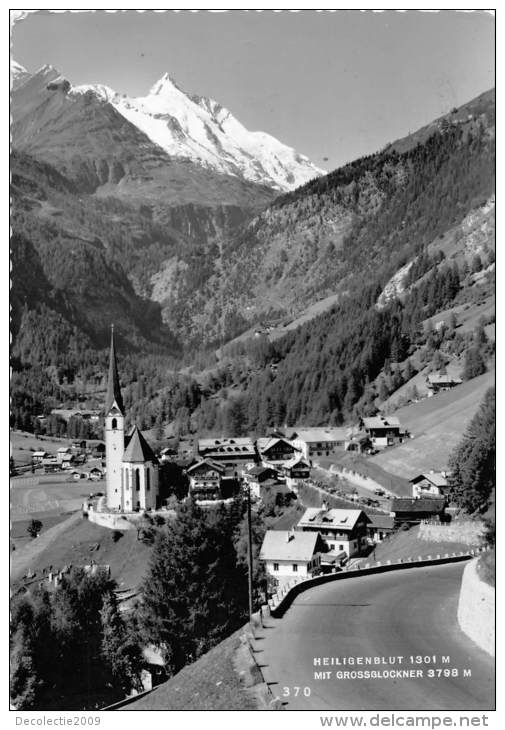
column 276, row 451
column 258, row 476
column 343, row 530
column 289, row 554
column 205, row 479
column 430, row 484
column 413, row 511
column 383, row 430
column 437, row 382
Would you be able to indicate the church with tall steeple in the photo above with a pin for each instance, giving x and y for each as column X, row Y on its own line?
column 131, row 466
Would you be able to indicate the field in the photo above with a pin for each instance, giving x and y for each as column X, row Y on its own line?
column 437, row 425
column 24, row 444
column 366, row 466
column 48, row 496
column 406, row 544
column 78, row 541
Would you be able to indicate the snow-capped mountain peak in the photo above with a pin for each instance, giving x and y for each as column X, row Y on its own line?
column 201, row 129
column 164, row 86
column 19, row 74
column 194, row 127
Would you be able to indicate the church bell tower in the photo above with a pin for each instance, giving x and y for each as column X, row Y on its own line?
column 114, row 432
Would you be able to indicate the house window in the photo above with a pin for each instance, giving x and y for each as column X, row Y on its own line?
column 295, row 567
column 340, row 547
column 114, row 423
column 127, row 479
column 137, row 480
column 276, row 566
column 148, row 479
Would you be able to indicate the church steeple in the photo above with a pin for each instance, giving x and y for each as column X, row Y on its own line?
column 114, row 396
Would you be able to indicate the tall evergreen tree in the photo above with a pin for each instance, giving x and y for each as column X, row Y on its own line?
column 472, row 464
column 191, row 594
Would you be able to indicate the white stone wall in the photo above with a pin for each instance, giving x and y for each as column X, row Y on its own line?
column 114, row 450
column 112, row 521
column 476, row 609
column 144, row 498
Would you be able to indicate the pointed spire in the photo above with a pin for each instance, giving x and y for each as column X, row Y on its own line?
column 113, row 388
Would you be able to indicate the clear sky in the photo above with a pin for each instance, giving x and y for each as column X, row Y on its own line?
column 333, row 85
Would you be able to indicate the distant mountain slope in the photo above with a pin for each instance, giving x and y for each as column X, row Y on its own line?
column 371, row 215
column 192, row 129
column 200, row 129
column 86, row 139
column 19, row 74
column 62, row 263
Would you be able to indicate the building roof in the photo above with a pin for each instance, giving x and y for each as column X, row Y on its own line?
column 311, row 435
column 256, row 471
column 344, row 519
column 295, row 461
column 39, row 453
column 288, row 545
column 439, row 379
column 208, row 462
column 138, row 450
column 381, row 422
column 63, row 449
column 434, row 477
column 265, row 444
column 216, row 448
column 113, row 388
column 381, row 522
column 432, row 504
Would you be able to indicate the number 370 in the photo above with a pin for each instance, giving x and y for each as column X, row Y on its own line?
column 295, row 691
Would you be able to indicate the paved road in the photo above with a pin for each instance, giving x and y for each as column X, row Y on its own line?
column 399, row 614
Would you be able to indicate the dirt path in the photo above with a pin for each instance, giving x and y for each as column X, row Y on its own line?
column 22, row 558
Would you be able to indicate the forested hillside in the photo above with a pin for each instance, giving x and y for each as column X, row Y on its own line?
column 81, row 261
column 364, row 220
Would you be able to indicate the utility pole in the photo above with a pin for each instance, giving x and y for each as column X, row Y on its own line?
column 249, row 553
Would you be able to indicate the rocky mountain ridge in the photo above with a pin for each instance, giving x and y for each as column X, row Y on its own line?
column 194, row 128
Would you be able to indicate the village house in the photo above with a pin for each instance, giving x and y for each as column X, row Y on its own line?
column 67, row 461
column 168, row 455
column 205, row 479
column 98, row 450
column 257, row 476
column 50, row 463
column 295, row 471
column 39, row 456
column 343, row 530
column 413, row 511
column 275, row 451
column 359, row 441
column 441, row 381
column 289, row 554
column 383, row 431
column 237, row 451
column 78, row 447
column 61, row 453
column 321, row 441
column 380, row 527
column 67, row 413
column 430, row 484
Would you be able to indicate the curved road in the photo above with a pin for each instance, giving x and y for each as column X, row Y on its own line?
column 390, row 615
